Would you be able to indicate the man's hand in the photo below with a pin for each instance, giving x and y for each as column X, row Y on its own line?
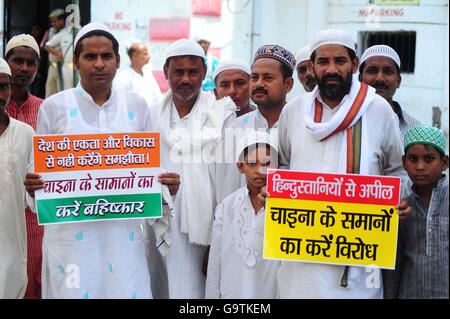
column 172, row 180
column 33, row 182
column 404, row 210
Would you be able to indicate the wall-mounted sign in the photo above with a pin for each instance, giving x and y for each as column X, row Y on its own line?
column 210, row 8
column 169, row 29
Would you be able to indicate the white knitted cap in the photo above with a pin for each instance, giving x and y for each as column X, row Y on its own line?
column 4, row 67
column 234, row 64
column 333, row 36
column 381, row 50
column 185, row 47
column 304, row 54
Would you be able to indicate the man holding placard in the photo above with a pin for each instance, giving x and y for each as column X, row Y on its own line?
column 95, row 259
column 341, row 127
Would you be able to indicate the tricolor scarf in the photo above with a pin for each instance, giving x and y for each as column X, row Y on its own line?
column 204, row 130
column 349, row 118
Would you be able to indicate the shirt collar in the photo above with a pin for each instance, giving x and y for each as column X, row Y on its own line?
column 27, row 99
column 398, row 110
column 441, row 184
column 85, row 96
column 326, row 105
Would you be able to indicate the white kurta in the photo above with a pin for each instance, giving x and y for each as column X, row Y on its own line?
column 184, row 259
column 146, row 86
column 236, row 268
column 16, row 146
column 300, row 152
column 108, row 256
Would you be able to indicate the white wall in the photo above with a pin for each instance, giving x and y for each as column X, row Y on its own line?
column 428, row 85
column 246, row 24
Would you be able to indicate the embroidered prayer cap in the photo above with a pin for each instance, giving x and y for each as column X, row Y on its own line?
column 22, row 40
column 233, row 64
column 56, row 13
column 184, row 47
column 276, row 52
column 91, row 27
column 333, row 36
column 256, row 138
column 4, row 67
column 428, row 135
column 381, row 50
column 304, row 54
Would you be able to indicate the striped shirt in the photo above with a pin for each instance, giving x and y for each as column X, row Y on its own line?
column 27, row 111
column 422, row 255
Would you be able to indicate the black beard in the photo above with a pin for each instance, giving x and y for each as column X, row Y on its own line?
column 335, row 92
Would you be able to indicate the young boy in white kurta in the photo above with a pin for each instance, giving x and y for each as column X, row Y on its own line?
column 236, row 268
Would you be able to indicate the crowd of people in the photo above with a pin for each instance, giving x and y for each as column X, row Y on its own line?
column 217, row 206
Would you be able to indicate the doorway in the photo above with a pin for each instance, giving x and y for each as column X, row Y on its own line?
column 27, row 16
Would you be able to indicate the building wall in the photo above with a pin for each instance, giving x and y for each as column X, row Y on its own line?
column 244, row 25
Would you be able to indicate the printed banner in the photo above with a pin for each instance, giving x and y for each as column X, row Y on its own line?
column 97, row 177
column 333, row 219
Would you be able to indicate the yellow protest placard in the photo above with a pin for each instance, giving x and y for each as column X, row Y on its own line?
column 329, row 218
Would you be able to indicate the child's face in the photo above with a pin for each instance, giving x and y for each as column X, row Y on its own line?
column 424, row 164
column 256, row 163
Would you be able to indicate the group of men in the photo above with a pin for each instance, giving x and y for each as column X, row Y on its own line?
column 312, row 133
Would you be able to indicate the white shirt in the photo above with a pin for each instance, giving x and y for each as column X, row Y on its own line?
column 107, row 256
column 236, row 268
column 16, row 146
column 300, row 152
column 129, row 80
column 184, row 259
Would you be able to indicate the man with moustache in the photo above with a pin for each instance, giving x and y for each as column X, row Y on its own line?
column 270, row 82
column 16, row 145
column 22, row 54
column 317, row 133
column 192, row 123
column 232, row 78
column 304, row 71
column 110, row 263
column 380, row 68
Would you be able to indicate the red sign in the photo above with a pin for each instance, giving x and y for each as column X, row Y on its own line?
column 161, row 79
column 169, row 29
column 379, row 12
column 348, row 188
column 210, row 8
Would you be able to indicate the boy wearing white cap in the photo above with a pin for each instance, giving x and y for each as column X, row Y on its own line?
column 342, row 126
column 232, row 78
column 16, row 145
column 380, row 68
column 303, row 67
column 108, row 265
column 236, row 268
column 192, row 124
